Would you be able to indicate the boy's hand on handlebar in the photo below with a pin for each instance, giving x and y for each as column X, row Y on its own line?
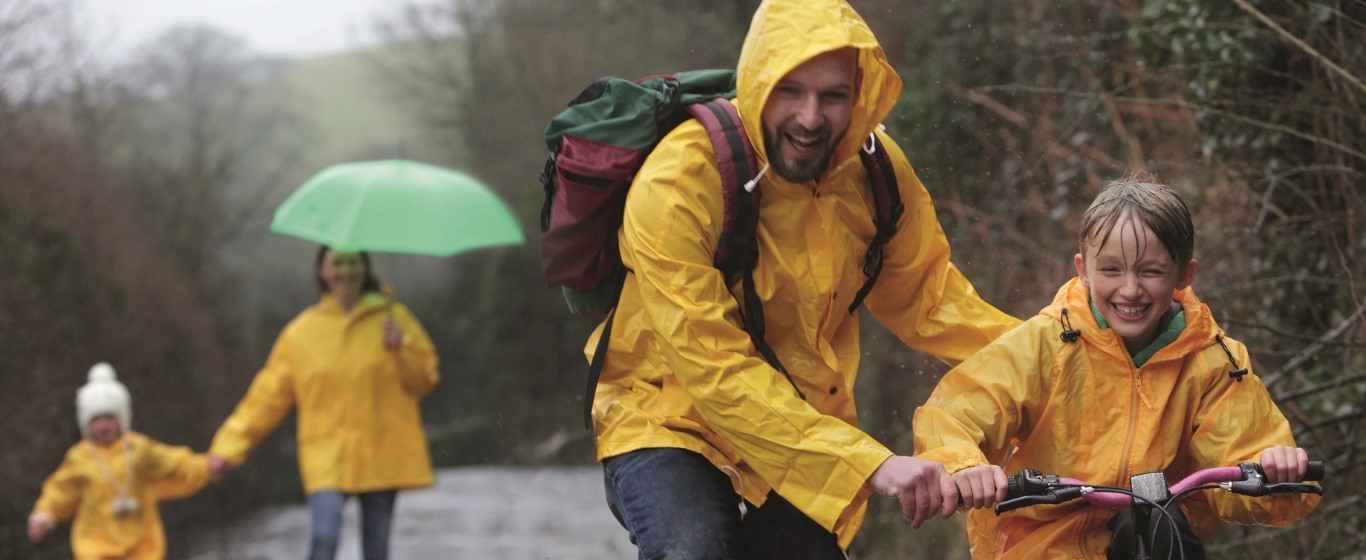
column 923, row 487
column 981, row 486
column 1284, row 464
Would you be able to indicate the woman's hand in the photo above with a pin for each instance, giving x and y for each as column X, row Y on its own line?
column 39, row 523
column 393, row 336
column 981, row 486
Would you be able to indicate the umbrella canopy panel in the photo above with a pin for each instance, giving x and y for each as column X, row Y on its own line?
column 397, row 206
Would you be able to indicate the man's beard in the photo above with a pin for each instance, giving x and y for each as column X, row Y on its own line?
column 804, row 170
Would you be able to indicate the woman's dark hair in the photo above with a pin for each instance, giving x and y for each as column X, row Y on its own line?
column 370, row 284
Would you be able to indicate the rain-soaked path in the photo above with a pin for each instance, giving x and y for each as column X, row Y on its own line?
column 519, row 513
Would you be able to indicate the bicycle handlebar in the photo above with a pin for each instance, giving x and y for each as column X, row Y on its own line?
column 1029, row 487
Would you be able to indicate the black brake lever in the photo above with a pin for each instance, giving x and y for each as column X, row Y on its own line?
column 1024, row 501
column 1055, row 496
column 1292, row 488
column 1254, row 483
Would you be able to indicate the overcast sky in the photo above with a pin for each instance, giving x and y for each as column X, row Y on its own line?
column 281, row 27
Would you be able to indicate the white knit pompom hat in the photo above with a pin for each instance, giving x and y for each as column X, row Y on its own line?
column 103, row 394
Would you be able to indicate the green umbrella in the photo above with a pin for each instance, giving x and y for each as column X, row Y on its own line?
column 397, row 206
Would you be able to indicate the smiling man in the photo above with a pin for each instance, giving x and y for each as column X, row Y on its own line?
column 710, row 451
column 808, row 114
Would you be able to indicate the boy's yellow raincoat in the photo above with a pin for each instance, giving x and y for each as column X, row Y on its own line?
column 1082, row 410
column 359, row 423
column 81, row 487
column 681, row 372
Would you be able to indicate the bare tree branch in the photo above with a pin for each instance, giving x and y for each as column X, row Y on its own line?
column 1287, row 397
column 1313, row 349
column 1301, row 44
column 1188, row 105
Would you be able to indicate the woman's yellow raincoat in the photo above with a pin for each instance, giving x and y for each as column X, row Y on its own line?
column 680, row 370
column 82, row 488
column 1082, row 410
column 359, row 423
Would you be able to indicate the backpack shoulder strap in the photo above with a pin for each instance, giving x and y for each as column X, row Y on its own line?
column 737, row 250
column 887, row 207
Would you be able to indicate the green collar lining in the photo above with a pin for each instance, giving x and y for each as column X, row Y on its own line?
column 1176, row 324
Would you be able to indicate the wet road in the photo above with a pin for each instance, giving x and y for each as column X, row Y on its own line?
column 529, row 513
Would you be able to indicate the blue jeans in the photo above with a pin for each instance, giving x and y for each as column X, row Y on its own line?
column 325, row 516
column 677, row 505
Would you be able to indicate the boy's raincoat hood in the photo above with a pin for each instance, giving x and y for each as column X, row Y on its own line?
column 785, row 34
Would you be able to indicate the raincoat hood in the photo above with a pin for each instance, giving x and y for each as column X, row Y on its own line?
column 786, row 33
column 1074, row 299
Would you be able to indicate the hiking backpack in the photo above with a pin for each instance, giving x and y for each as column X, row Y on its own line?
column 599, row 142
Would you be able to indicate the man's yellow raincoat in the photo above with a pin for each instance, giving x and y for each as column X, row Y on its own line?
column 680, row 370
column 359, row 423
column 81, row 487
column 1082, row 410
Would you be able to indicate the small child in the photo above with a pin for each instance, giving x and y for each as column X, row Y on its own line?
column 1125, row 372
column 112, row 479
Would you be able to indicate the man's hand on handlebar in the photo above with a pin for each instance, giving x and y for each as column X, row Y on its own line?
column 1284, row 464
column 923, row 487
column 981, row 486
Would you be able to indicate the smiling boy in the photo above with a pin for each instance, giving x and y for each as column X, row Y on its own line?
column 1125, row 372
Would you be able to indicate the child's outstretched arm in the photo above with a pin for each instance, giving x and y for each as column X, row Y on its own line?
column 173, row 472
column 59, row 500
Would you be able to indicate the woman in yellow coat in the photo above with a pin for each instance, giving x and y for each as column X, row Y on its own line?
column 355, row 366
column 111, row 481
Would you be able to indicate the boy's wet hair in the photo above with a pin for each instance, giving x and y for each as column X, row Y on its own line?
column 1155, row 205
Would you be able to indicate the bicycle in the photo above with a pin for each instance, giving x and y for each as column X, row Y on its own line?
column 1149, row 492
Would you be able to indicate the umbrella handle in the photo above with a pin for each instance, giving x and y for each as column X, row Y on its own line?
column 388, row 292
column 389, row 311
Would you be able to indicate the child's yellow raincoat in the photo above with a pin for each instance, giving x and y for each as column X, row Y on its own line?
column 1082, row 410
column 82, row 487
